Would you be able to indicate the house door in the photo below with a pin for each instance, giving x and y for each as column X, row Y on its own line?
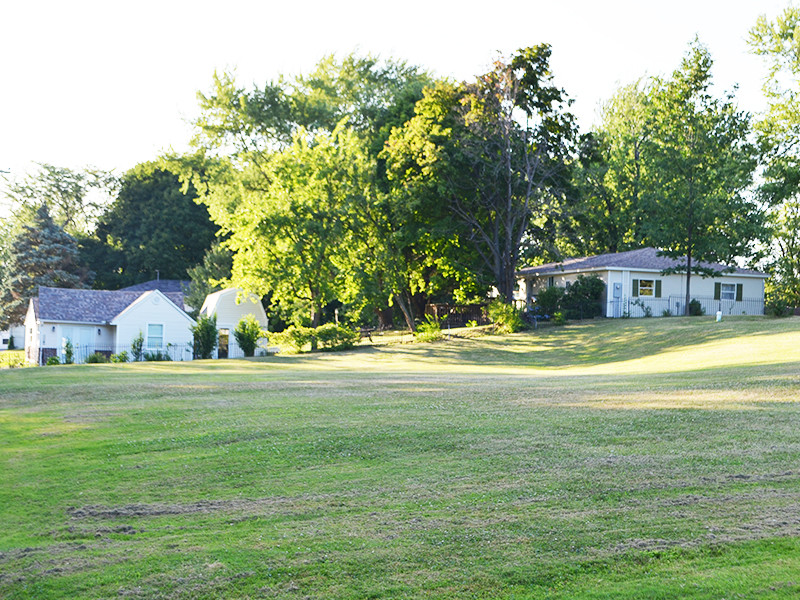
column 222, row 349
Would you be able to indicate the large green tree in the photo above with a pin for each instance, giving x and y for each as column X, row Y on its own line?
column 255, row 136
column 778, row 42
column 701, row 165
column 286, row 221
column 610, row 175
column 41, row 253
column 153, row 225
column 75, row 199
column 495, row 151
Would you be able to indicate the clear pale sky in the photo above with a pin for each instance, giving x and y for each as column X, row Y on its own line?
column 111, row 84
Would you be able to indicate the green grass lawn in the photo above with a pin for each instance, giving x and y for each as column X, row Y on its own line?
column 651, row 458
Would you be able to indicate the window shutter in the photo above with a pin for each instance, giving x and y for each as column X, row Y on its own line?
column 658, row 288
column 739, row 290
column 635, row 288
column 717, row 290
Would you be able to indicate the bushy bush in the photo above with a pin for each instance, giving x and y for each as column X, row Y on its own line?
column 326, row 337
column 505, row 317
column 12, row 359
column 430, row 330
column 206, row 336
column 548, row 301
column 122, row 357
column 777, row 307
column 96, row 358
column 695, row 308
column 156, row 355
column 335, row 337
column 292, row 338
column 69, row 352
column 247, row 333
column 53, row 360
column 559, row 318
column 582, row 299
column 11, row 343
column 137, row 347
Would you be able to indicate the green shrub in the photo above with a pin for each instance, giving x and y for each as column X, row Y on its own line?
column 12, row 359
column 11, row 344
column 472, row 323
column 505, row 317
column 430, row 330
column 53, row 360
column 776, row 307
column 69, row 352
column 247, row 333
column 559, row 318
column 335, row 337
column 582, row 299
column 206, row 336
column 548, row 301
column 97, row 357
column 328, row 337
column 122, row 357
column 666, row 313
column 137, row 347
column 648, row 311
column 292, row 338
column 696, row 309
column 156, row 355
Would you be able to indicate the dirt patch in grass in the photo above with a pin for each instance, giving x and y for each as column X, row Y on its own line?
column 259, row 505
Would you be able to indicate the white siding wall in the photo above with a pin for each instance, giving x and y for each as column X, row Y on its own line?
column 673, row 292
column 229, row 313
column 155, row 309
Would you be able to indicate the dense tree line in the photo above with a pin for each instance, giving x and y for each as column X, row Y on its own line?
column 372, row 186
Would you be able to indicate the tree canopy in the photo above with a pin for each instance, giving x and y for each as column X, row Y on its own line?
column 41, row 253
column 153, row 225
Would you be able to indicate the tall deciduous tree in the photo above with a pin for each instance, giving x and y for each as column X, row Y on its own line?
column 610, row 175
column 778, row 42
column 495, row 151
column 75, row 199
column 154, row 224
column 701, row 164
column 258, row 136
column 41, row 253
column 287, row 225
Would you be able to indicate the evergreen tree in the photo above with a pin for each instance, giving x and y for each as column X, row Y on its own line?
column 42, row 253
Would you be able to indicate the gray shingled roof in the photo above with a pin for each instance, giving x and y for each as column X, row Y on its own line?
column 87, row 306
column 163, row 285
column 646, row 258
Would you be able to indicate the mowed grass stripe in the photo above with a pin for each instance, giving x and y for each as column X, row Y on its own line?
column 558, row 463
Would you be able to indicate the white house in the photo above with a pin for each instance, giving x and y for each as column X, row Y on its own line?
column 15, row 333
column 106, row 322
column 635, row 284
column 231, row 305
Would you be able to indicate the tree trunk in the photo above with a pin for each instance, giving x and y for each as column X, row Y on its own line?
column 315, row 318
column 688, row 278
column 405, row 307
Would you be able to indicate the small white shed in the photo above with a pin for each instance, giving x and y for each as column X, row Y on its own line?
column 231, row 305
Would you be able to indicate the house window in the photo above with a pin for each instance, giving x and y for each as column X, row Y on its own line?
column 647, row 287
column 727, row 291
column 551, row 281
column 155, row 335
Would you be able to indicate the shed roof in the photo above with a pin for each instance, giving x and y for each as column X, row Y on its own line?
column 88, row 306
column 646, row 259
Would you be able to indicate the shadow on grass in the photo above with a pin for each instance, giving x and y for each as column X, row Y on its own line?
column 589, row 343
